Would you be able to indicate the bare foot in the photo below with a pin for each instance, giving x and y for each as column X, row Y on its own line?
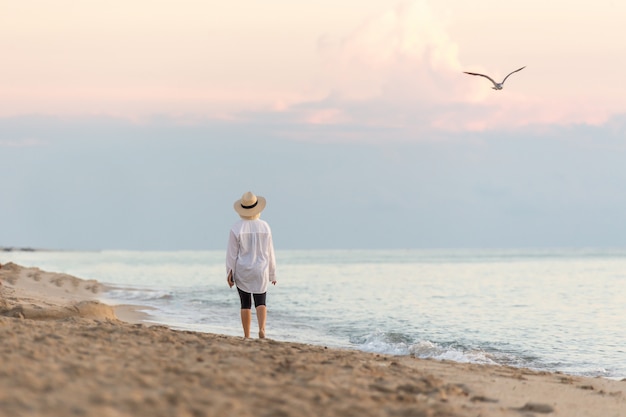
column 262, row 334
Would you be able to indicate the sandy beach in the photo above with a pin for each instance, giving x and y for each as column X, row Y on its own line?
column 64, row 353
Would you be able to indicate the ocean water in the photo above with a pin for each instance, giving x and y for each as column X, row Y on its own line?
column 554, row 310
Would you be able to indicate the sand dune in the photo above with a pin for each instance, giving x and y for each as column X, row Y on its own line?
column 34, row 294
column 63, row 353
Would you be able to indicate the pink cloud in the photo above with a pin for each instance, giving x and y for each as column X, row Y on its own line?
column 398, row 70
column 326, row 116
column 405, row 50
column 402, row 69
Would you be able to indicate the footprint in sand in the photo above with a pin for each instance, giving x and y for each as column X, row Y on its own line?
column 536, row 408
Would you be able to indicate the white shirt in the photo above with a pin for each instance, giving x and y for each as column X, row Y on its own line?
column 250, row 255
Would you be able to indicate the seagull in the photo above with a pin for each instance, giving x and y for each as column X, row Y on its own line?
column 496, row 86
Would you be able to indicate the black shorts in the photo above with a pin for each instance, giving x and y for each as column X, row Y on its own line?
column 246, row 299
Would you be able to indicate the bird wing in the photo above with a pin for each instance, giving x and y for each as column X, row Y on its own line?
column 482, row 75
column 512, row 73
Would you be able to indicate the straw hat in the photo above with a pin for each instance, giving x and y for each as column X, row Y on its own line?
column 249, row 205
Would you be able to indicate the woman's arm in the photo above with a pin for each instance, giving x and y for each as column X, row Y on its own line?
column 232, row 251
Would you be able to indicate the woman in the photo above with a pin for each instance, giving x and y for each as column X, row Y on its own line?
column 250, row 261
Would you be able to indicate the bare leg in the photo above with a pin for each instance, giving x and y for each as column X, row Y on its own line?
column 261, row 315
column 246, row 319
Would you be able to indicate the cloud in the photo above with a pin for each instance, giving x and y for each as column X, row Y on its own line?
column 398, row 72
column 402, row 51
column 401, row 70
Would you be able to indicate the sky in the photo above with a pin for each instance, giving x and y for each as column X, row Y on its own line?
column 136, row 125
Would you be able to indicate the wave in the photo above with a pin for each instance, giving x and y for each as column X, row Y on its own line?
column 393, row 343
column 138, row 295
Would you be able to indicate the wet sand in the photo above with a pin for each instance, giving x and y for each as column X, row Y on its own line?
column 63, row 353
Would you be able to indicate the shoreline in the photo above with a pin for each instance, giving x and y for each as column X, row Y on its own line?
column 65, row 353
column 132, row 314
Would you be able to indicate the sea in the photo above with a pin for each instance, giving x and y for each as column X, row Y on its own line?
column 557, row 310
